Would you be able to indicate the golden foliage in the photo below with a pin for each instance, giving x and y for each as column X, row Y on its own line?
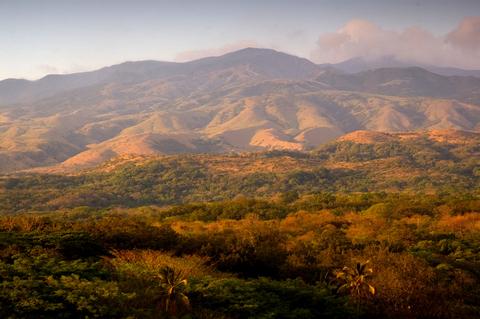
column 152, row 260
column 459, row 224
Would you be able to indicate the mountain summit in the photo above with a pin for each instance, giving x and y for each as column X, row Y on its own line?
column 251, row 99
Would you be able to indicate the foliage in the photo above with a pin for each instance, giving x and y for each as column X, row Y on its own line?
column 248, row 258
column 419, row 165
column 264, row 298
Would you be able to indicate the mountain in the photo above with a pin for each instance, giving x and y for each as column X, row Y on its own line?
column 248, row 100
column 411, row 81
column 360, row 64
column 16, row 91
column 426, row 161
column 263, row 63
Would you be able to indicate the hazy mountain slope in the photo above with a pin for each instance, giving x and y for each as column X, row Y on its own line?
column 292, row 121
column 360, row 64
column 272, row 120
column 16, row 91
column 261, row 63
column 248, row 100
column 411, row 81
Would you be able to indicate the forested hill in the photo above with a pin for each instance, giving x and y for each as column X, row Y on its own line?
column 441, row 161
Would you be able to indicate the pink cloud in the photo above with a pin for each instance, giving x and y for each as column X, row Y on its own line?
column 198, row 54
column 460, row 48
column 466, row 35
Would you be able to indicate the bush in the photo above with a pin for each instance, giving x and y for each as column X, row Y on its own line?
column 264, row 298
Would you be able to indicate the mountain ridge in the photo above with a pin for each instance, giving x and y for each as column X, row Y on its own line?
column 360, row 64
column 248, row 100
column 137, row 71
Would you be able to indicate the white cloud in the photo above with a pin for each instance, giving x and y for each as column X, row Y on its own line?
column 460, row 47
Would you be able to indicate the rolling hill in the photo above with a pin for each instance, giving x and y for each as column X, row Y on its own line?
column 248, row 100
column 361, row 161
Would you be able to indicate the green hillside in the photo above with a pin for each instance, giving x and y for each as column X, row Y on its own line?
column 418, row 164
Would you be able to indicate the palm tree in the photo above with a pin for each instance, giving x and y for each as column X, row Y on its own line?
column 354, row 281
column 173, row 284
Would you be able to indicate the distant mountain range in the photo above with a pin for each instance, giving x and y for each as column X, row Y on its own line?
column 252, row 99
column 360, row 64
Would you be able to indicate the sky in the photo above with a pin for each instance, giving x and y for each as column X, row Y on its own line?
column 39, row 37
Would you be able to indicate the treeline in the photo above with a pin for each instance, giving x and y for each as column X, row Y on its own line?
column 248, row 258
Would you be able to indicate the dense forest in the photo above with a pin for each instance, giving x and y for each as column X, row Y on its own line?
column 385, row 230
column 321, row 255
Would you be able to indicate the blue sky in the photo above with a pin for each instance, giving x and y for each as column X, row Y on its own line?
column 38, row 37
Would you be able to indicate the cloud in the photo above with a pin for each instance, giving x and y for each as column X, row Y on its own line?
column 466, row 35
column 459, row 48
column 198, row 54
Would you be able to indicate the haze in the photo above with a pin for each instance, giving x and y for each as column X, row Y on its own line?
column 43, row 37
